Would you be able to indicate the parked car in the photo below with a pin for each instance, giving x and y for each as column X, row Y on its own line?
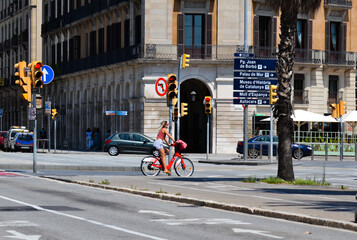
column 10, row 136
column 130, row 142
column 258, row 143
column 2, row 137
column 22, row 141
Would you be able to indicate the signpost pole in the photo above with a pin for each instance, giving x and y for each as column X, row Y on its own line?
column 170, row 129
column 34, row 164
column 245, row 122
column 207, row 146
column 178, row 100
column 271, row 135
column 341, row 145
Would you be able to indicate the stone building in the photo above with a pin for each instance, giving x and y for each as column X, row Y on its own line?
column 108, row 54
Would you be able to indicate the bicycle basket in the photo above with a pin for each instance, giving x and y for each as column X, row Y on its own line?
column 180, row 145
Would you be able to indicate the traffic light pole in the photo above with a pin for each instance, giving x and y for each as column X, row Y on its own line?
column 341, row 139
column 178, row 100
column 34, row 136
column 245, row 117
column 170, row 128
column 207, row 141
column 271, row 135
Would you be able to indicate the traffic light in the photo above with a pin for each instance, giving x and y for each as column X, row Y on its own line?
column 36, row 73
column 54, row 113
column 273, row 95
column 184, row 109
column 208, row 103
column 23, row 81
column 335, row 110
column 172, row 88
column 185, row 60
column 342, row 107
column 175, row 114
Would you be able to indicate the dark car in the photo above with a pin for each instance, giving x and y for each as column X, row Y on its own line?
column 261, row 143
column 2, row 137
column 129, row 142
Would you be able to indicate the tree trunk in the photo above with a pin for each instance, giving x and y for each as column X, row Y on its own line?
column 283, row 108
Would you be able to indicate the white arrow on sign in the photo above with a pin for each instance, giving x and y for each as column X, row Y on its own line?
column 17, row 235
column 45, row 73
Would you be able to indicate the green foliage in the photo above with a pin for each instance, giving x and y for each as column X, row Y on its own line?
column 105, row 182
column 250, row 179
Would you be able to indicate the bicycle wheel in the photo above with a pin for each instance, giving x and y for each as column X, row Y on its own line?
column 146, row 166
column 183, row 170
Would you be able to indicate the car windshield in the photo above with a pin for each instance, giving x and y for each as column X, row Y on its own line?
column 124, row 136
column 139, row 138
column 25, row 137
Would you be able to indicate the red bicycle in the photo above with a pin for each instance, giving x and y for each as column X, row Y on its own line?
column 151, row 166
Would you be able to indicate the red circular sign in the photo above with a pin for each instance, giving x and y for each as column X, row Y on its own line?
column 161, row 87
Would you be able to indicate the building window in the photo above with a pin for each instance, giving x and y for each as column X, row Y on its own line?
column 299, row 87
column 264, row 36
column 301, row 34
column 264, row 31
column 334, row 40
column 332, row 89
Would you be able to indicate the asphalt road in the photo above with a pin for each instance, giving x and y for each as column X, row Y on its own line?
column 35, row 208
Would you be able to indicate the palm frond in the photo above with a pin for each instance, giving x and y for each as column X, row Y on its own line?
column 295, row 5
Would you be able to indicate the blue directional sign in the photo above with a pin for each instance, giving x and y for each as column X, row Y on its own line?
column 122, row 113
column 254, row 64
column 243, row 55
column 250, row 95
column 254, row 74
column 253, row 84
column 244, row 101
column 48, row 74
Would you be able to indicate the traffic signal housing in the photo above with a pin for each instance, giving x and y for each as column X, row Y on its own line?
column 54, row 113
column 273, row 95
column 184, row 109
column 175, row 114
column 208, row 105
column 36, row 73
column 23, row 81
column 342, row 108
column 185, row 60
column 172, row 88
column 335, row 110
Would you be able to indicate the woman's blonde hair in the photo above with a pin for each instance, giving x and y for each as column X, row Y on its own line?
column 162, row 124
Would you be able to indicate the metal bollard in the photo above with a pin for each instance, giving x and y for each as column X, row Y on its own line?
column 356, row 153
column 326, row 152
column 261, row 151
column 312, row 152
column 299, row 157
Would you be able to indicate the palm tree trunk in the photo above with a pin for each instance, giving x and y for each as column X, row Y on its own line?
column 283, row 108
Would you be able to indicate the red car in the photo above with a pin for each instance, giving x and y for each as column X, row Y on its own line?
column 2, row 137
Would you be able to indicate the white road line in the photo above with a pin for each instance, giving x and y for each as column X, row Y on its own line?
column 82, row 219
column 17, row 224
column 199, row 221
column 161, row 213
column 17, row 235
column 261, row 233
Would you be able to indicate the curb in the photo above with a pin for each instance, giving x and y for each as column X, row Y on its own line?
column 235, row 162
column 228, row 207
column 69, row 168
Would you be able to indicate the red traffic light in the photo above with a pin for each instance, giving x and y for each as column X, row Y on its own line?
column 207, row 99
column 38, row 65
column 172, row 78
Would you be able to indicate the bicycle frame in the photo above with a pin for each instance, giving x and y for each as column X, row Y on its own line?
column 157, row 162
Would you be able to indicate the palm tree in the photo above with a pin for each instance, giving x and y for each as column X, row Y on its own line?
column 283, row 108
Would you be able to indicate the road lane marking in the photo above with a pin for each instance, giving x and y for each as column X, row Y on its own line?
column 261, row 233
column 199, row 221
column 17, row 235
column 161, row 213
column 17, row 224
column 82, row 219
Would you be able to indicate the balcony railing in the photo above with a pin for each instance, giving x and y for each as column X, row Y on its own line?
column 87, row 10
column 340, row 58
column 308, row 56
column 339, row 3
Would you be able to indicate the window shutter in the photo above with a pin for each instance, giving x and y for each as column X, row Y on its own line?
column 180, row 34
column 343, row 36
column 208, row 42
column 309, row 45
column 109, row 38
column 65, row 51
column 273, row 37
column 256, row 35
column 327, row 36
column 71, row 48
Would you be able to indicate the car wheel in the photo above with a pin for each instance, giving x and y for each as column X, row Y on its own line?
column 298, row 152
column 113, row 150
column 253, row 152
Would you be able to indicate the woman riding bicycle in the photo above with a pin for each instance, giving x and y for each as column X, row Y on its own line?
column 158, row 144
